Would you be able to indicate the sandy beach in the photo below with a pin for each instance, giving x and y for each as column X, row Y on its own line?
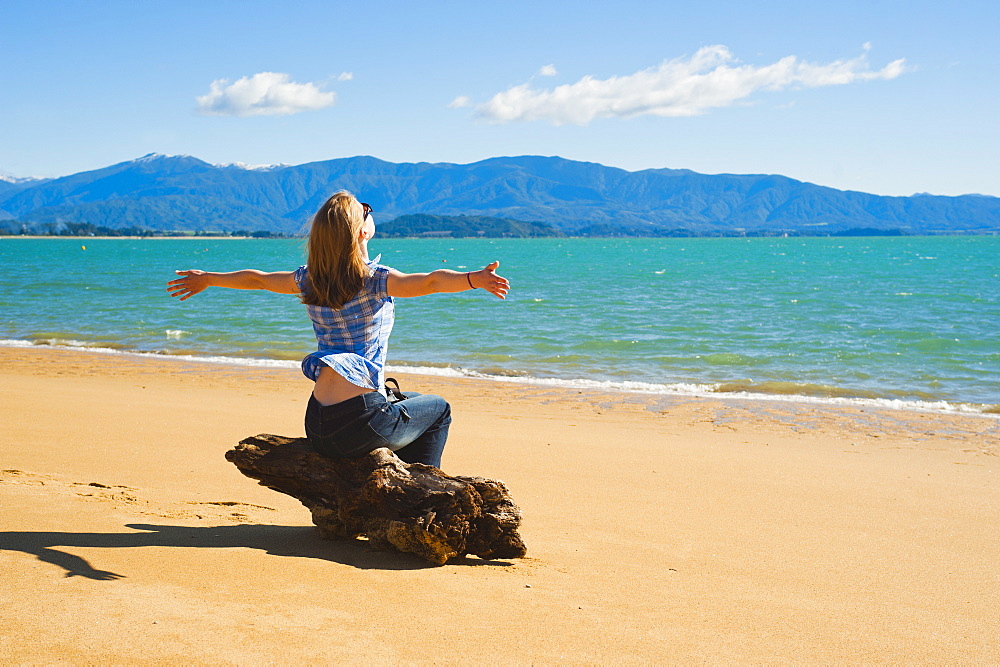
column 666, row 530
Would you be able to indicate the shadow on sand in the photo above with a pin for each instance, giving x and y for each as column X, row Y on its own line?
column 291, row 541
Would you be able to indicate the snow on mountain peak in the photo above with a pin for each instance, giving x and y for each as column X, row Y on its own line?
column 252, row 167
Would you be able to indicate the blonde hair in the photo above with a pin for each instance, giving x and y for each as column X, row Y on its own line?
column 337, row 267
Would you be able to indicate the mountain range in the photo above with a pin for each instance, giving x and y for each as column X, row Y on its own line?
column 159, row 192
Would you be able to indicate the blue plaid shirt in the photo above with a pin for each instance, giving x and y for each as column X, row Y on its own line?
column 353, row 340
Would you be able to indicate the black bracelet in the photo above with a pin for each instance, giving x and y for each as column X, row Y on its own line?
column 468, row 277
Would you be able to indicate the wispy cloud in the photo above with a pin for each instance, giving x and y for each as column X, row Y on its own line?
column 548, row 70
column 710, row 79
column 264, row 94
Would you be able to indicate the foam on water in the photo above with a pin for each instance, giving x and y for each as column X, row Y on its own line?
column 717, row 391
column 210, row 359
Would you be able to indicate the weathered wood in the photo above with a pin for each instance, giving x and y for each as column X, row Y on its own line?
column 412, row 507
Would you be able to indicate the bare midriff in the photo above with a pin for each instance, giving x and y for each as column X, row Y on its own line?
column 332, row 387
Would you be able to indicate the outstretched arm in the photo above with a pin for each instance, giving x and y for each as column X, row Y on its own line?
column 445, row 280
column 195, row 281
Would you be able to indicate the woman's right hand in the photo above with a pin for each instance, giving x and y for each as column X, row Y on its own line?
column 194, row 281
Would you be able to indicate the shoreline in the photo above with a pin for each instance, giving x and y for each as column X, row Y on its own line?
column 659, row 528
column 185, row 237
column 785, row 415
column 679, row 390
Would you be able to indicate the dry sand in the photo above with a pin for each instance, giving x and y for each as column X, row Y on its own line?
column 659, row 530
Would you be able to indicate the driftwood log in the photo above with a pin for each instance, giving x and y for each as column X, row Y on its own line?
column 412, row 507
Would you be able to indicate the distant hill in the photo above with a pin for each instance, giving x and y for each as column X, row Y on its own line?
column 158, row 192
column 11, row 186
column 463, row 226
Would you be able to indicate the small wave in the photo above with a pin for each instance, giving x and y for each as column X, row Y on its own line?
column 15, row 343
column 825, row 395
column 83, row 346
column 229, row 361
column 68, row 344
column 503, row 372
column 793, row 389
column 78, row 344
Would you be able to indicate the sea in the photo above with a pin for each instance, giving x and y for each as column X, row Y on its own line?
column 910, row 322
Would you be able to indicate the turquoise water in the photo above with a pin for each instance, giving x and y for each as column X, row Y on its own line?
column 911, row 319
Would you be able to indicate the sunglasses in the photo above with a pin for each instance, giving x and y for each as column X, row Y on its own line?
column 367, row 209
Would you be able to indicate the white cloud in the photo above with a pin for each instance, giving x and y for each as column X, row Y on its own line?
column 548, row 70
column 263, row 94
column 345, row 76
column 711, row 78
column 459, row 102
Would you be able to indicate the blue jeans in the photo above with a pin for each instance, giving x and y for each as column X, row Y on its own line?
column 415, row 428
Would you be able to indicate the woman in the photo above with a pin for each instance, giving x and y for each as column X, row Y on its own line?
column 350, row 301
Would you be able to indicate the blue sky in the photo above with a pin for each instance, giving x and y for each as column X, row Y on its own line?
column 885, row 97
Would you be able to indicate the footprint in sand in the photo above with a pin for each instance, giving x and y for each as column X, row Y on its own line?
column 131, row 500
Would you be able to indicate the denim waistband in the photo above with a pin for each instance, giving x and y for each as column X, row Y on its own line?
column 352, row 406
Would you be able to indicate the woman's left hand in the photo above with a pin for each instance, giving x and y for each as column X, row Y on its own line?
column 488, row 280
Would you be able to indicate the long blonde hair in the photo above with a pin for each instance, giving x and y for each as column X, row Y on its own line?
column 337, row 266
